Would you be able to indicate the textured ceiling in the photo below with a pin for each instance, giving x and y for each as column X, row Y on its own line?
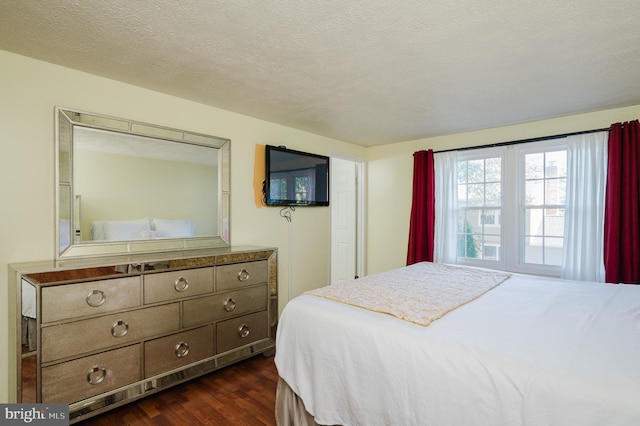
column 91, row 139
column 369, row 72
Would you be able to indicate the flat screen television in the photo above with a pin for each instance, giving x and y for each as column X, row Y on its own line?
column 295, row 178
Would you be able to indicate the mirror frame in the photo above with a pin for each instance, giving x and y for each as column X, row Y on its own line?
column 65, row 209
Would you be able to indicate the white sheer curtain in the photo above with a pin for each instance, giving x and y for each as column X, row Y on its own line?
column 445, row 235
column 584, row 215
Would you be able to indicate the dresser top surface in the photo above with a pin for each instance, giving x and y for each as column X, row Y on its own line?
column 43, row 272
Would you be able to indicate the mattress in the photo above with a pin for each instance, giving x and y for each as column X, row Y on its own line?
column 531, row 351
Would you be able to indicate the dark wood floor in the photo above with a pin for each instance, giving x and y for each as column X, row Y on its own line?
column 241, row 394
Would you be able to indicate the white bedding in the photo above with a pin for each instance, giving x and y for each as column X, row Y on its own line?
column 532, row 351
column 142, row 229
column 28, row 300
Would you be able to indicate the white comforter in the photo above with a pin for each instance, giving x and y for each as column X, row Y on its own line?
column 532, row 351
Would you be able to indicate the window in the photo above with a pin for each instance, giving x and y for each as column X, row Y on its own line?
column 510, row 206
column 302, row 183
column 278, row 188
column 298, row 185
column 491, row 252
column 490, row 217
column 545, row 183
column 479, row 203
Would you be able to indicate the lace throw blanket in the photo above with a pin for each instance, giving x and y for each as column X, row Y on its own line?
column 419, row 293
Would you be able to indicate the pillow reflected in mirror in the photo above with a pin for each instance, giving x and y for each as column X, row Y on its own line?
column 123, row 230
column 179, row 228
column 142, row 229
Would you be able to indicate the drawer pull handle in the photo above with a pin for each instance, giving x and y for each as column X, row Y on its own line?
column 181, row 284
column 96, row 298
column 119, row 328
column 182, row 349
column 96, row 375
column 243, row 275
column 243, row 330
column 229, row 304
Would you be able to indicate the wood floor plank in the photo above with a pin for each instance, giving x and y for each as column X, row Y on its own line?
column 240, row 394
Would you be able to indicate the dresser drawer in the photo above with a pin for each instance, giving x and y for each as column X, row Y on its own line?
column 88, row 298
column 238, row 302
column 177, row 284
column 220, row 306
column 229, row 277
column 82, row 378
column 236, row 332
column 177, row 350
column 64, row 340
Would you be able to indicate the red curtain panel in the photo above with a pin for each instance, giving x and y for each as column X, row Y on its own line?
column 422, row 223
column 622, row 211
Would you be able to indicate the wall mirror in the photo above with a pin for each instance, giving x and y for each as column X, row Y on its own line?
column 128, row 187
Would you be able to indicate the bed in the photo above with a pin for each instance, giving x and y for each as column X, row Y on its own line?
column 141, row 229
column 526, row 351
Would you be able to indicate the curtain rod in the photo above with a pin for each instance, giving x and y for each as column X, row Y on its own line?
column 543, row 138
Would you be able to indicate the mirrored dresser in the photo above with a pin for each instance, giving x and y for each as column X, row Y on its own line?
column 97, row 333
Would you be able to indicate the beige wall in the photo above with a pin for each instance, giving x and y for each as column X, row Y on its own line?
column 124, row 187
column 390, row 170
column 30, row 90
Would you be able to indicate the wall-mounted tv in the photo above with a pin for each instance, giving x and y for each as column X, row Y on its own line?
column 295, row 178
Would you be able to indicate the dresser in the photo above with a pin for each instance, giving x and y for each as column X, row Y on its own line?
column 102, row 332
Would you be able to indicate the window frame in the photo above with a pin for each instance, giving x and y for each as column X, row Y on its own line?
column 512, row 205
column 478, row 154
column 549, row 145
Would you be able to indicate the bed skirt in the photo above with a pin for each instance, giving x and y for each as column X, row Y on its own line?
column 290, row 409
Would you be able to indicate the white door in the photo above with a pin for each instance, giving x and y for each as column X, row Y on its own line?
column 344, row 219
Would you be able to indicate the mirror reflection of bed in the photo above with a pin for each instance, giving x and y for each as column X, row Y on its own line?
column 144, row 228
column 122, row 184
column 149, row 187
column 29, row 342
